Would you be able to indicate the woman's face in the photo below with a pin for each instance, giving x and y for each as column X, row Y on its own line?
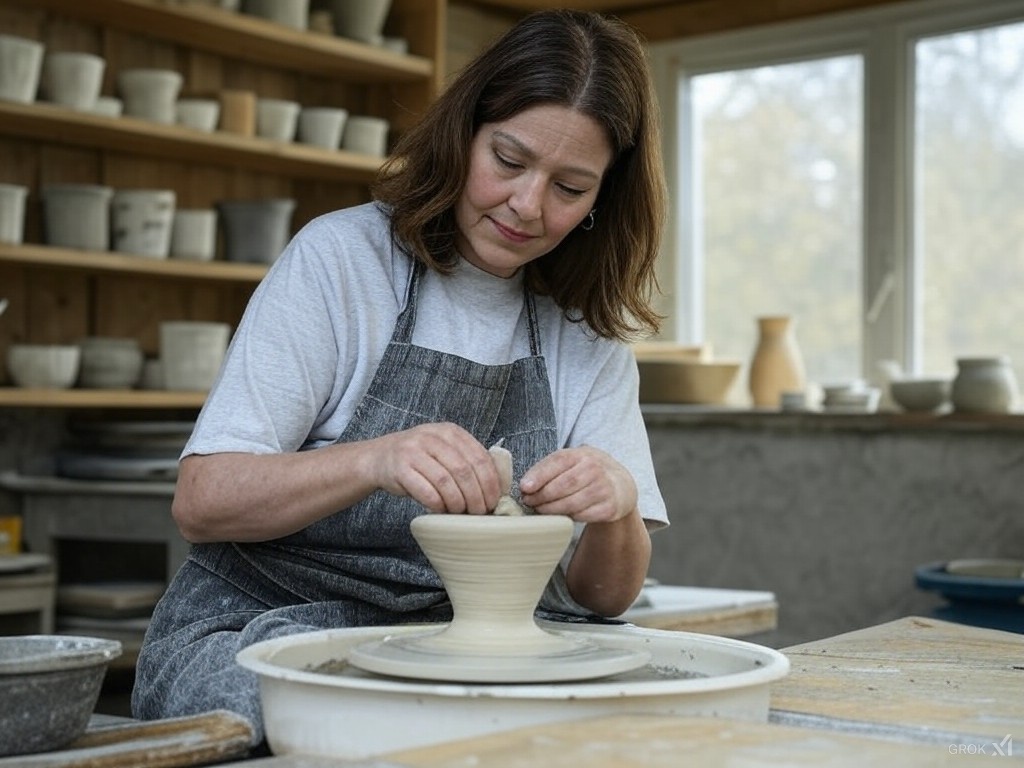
column 532, row 179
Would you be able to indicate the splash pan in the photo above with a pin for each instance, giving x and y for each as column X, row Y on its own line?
column 315, row 702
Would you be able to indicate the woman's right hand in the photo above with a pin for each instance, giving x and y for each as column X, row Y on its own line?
column 442, row 466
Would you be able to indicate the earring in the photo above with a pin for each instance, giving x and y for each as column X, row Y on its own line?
column 588, row 223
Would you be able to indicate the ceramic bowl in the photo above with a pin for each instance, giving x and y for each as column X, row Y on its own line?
column 110, row 363
column 701, row 382
column 46, row 366
column 921, row 394
column 55, row 681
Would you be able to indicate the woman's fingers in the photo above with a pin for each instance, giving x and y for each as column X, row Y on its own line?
column 442, row 467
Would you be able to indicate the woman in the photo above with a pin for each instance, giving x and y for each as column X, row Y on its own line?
column 486, row 295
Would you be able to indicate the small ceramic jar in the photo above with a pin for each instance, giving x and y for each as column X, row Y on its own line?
column 985, row 385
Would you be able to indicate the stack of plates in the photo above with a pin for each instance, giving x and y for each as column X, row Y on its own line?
column 124, row 450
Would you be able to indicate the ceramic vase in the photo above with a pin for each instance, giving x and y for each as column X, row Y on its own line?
column 777, row 365
column 141, row 220
column 77, row 216
column 12, row 213
column 72, row 79
column 21, row 63
column 256, row 231
column 985, row 385
column 150, row 94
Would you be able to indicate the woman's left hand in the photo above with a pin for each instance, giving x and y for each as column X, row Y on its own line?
column 584, row 483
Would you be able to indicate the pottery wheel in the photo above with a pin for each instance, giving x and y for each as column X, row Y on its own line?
column 419, row 656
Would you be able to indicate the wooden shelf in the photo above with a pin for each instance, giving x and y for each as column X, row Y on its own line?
column 49, row 122
column 249, row 38
column 99, row 398
column 96, row 261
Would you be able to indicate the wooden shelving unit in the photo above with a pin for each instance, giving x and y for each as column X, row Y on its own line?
column 58, row 295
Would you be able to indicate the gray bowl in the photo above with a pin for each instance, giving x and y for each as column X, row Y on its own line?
column 52, row 683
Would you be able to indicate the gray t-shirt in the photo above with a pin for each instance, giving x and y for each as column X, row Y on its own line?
column 317, row 325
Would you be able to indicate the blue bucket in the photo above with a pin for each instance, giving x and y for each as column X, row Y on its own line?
column 981, row 592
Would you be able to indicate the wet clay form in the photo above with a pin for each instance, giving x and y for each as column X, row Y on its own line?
column 495, row 568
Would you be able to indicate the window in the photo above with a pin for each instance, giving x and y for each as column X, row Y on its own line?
column 859, row 172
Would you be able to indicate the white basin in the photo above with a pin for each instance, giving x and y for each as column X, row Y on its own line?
column 353, row 714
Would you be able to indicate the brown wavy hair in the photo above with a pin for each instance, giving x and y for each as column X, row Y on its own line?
column 589, row 63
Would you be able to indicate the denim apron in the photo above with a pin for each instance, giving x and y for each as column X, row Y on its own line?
column 357, row 567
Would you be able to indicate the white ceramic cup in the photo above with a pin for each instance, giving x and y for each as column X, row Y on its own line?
column 150, row 94
column 73, row 79
column 191, row 353
column 21, row 62
column 322, row 126
column 200, row 114
column 277, row 119
column 12, row 213
column 194, row 234
column 366, row 135
column 77, row 216
column 141, row 221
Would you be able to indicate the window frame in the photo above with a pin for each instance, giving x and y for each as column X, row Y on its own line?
column 885, row 38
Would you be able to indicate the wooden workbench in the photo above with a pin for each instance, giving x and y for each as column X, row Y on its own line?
column 913, row 692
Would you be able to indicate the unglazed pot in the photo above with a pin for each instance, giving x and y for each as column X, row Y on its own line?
column 73, row 79
column 985, row 385
column 21, row 63
column 141, row 220
column 322, row 126
column 366, row 135
column 12, row 213
column 256, row 230
column 200, row 114
column 150, row 94
column 194, row 234
column 191, row 353
column 77, row 216
column 277, row 119
column 362, row 20
column 290, row 13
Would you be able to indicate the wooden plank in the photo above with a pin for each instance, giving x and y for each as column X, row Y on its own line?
column 99, row 398
column 651, row 741
column 62, row 126
column 912, row 672
column 45, row 256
